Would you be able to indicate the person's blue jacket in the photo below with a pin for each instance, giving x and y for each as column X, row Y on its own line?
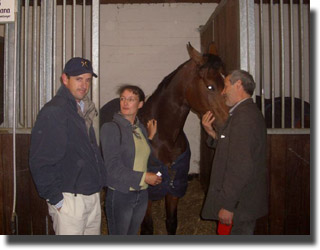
column 64, row 155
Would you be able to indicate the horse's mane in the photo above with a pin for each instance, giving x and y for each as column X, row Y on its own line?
column 165, row 82
column 212, row 62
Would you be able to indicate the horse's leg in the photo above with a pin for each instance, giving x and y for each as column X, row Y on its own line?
column 171, row 212
column 147, row 223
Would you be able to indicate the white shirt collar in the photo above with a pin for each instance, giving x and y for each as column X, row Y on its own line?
column 237, row 104
column 81, row 104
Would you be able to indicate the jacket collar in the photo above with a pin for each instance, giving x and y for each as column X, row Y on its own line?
column 242, row 102
column 65, row 93
column 123, row 121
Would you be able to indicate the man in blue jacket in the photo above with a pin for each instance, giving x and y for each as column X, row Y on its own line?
column 65, row 160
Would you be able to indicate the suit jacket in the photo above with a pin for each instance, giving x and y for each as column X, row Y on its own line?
column 238, row 180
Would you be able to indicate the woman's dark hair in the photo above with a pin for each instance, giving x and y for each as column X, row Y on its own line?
column 134, row 89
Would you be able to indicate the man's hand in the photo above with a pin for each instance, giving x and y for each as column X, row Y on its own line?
column 207, row 120
column 225, row 216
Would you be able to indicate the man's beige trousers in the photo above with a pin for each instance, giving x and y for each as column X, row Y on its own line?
column 79, row 215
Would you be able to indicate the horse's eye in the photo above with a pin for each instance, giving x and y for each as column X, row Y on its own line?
column 210, row 87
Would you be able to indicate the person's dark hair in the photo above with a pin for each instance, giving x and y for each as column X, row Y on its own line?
column 247, row 80
column 134, row 89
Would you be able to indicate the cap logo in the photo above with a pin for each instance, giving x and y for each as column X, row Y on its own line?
column 84, row 64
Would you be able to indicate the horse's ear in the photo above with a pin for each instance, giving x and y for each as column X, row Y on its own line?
column 195, row 55
column 213, row 49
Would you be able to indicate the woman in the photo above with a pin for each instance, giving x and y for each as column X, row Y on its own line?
column 126, row 150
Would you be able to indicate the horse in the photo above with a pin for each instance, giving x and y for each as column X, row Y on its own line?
column 195, row 85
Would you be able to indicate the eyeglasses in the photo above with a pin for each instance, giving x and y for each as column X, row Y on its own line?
column 130, row 99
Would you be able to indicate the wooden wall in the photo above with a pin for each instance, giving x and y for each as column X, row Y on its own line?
column 289, row 186
column 288, row 161
column 225, row 32
column 31, row 210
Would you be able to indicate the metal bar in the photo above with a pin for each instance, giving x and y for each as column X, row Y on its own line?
column 74, row 28
column 95, row 60
column 42, row 79
column 14, row 120
column 282, row 80
column 24, row 111
column 6, row 90
column 54, row 45
column 292, row 63
column 48, row 50
column 9, row 76
column 34, row 84
column 64, row 33
column 262, row 59
column 301, row 61
column 19, row 68
column 272, row 68
column 288, row 131
column 247, row 36
column 84, row 29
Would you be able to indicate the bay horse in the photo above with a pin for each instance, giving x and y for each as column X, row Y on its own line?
column 195, row 85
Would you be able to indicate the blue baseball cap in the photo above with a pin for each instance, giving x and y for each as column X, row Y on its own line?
column 78, row 66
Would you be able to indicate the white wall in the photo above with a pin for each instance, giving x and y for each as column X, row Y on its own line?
column 142, row 43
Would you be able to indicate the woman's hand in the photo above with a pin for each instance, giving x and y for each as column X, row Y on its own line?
column 207, row 120
column 152, row 128
column 152, row 179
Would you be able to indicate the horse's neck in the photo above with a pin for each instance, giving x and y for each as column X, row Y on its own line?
column 171, row 111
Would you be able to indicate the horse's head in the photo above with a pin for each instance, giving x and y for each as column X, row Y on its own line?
column 204, row 90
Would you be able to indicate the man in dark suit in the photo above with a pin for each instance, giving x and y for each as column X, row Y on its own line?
column 237, row 192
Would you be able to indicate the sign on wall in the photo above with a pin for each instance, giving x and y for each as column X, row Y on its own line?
column 7, row 11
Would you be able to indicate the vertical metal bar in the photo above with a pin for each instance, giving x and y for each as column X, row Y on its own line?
column 272, row 73
column 24, row 110
column 48, row 50
column 6, row 87
column 74, row 28
column 262, row 59
column 301, row 61
column 19, row 68
column 54, row 45
column 282, row 66
column 64, row 33
column 84, row 29
column 95, row 60
column 35, row 87
column 13, row 217
column 292, row 64
column 42, row 73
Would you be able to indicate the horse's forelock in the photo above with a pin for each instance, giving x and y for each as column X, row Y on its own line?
column 212, row 62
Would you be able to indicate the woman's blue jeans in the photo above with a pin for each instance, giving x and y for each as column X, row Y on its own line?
column 125, row 211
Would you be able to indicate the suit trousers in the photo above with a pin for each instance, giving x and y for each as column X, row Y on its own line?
column 243, row 228
column 79, row 215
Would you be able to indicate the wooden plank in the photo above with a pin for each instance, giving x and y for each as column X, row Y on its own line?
column 7, row 185
column 2, row 213
column 24, row 210
column 277, row 185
